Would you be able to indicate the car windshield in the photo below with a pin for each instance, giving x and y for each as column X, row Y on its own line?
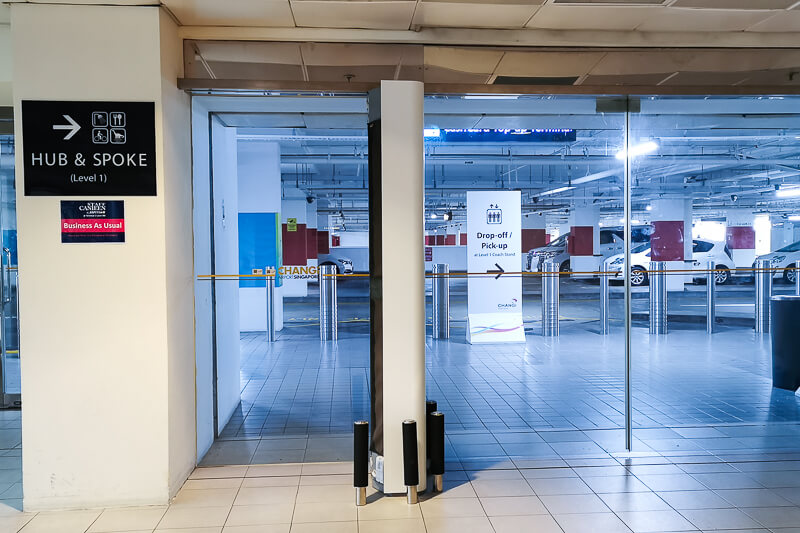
column 560, row 241
column 794, row 247
column 640, row 247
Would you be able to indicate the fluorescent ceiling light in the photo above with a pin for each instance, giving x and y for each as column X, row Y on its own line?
column 491, row 96
column 431, row 132
column 433, row 215
column 639, row 149
column 787, row 192
column 649, row 207
column 554, row 191
column 794, row 218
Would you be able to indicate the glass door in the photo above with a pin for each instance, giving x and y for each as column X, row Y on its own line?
column 9, row 303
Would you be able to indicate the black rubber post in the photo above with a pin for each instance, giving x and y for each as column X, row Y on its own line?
column 410, row 463
column 430, row 407
column 436, row 438
column 360, row 453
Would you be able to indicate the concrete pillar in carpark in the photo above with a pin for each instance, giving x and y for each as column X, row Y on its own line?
column 462, row 234
column 430, row 238
column 534, row 234
column 294, row 221
column 671, row 240
column 323, row 234
column 451, row 234
column 782, row 233
column 108, row 375
column 259, row 220
column 311, row 232
column 397, row 279
column 583, row 244
column 740, row 236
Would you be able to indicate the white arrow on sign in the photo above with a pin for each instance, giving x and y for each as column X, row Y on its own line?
column 73, row 127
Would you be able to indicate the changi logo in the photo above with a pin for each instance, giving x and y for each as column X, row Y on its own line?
column 509, row 305
column 298, row 272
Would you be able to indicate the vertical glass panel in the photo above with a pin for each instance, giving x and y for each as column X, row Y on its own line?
column 554, row 387
column 717, row 182
column 9, row 274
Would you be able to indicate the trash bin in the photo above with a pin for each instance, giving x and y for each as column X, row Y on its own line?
column 785, row 311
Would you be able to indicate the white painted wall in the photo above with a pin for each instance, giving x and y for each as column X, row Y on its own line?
column 108, row 375
column 349, row 239
column 455, row 256
column 5, row 65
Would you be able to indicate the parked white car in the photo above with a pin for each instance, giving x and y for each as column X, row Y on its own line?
column 784, row 258
column 344, row 265
column 702, row 252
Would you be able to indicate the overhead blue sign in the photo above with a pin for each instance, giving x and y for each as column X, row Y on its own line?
column 479, row 135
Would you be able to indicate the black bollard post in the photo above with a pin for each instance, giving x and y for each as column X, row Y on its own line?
column 430, row 407
column 361, row 460
column 410, row 462
column 436, row 439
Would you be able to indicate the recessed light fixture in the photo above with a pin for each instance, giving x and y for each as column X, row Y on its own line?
column 639, row 149
column 787, row 192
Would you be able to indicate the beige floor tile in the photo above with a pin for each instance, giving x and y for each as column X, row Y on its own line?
column 190, row 530
column 213, row 483
column 517, row 524
column 488, row 488
column 274, row 470
column 406, row 525
column 315, row 469
column 494, row 474
column 324, row 512
column 592, row 523
column 450, row 507
column 263, row 528
column 325, row 493
column 476, row 524
column 389, row 509
column 513, row 505
column 212, row 472
column 185, row 516
column 12, row 524
column 452, row 489
column 325, row 527
column 328, row 479
column 265, row 495
column 61, row 522
column 145, row 518
column 255, row 515
column 271, row 481
column 205, row 498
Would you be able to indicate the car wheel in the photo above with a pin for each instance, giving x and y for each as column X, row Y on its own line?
column 564, row 266
column 721, row 275
column 789, row 275
column 638, row 276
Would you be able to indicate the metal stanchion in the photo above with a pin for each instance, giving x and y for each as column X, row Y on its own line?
column 711, row 297
column 658, row 297
column 604, row 273
column 797, row 278
column 763, row 275
column 441, row 301
column 550, row 299
column 328, row 304
column 436, row 438
column 361, row 460
column 270, row 303
column 410, row 463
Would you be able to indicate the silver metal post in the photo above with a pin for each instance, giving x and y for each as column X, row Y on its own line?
column 604, row 298
column 797, row 278
column 763, row 275
column 711, row 297
column 627, row 214
column 550, row 299
column 270, row 328
column 361, row 496
column 411, row 495
column 438, row 482
column 658, row 297
column 328, row 304
column 440, row 284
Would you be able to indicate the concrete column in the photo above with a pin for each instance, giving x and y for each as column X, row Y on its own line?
column 671, row 240
column 259, row 207
column 534, row 233
column 584, row 239
column 740, row 236
column 295, row 248
column 108, row 372
column 397, row 284
column 451, row 235
column 311, row 233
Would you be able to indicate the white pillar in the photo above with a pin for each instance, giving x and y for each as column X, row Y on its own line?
column 398, row 282
column 311, row 233
column 259, row 209
column 672, row 238
column 740, row 236
column 108, row 371
column 584, row 239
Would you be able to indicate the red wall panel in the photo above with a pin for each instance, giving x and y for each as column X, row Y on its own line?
column 741, row 237
column 533, row 238
column 667, row 240
column 463, row 239
column 294, row 245
column 311, row 243
column 440, row 240
column 430, row 240
column 322, row 242
column 581, row 240
column 450, row 240
column 335, row 240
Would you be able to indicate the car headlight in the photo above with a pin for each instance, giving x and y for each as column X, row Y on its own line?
column 777, row 259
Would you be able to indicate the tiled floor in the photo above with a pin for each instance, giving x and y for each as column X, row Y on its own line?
column 624, row 493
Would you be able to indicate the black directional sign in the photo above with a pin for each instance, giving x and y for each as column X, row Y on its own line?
column 89, row 148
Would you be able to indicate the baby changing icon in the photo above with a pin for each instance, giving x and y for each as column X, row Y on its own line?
column 494, row 215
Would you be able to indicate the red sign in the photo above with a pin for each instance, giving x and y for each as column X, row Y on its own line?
column 92, row 221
